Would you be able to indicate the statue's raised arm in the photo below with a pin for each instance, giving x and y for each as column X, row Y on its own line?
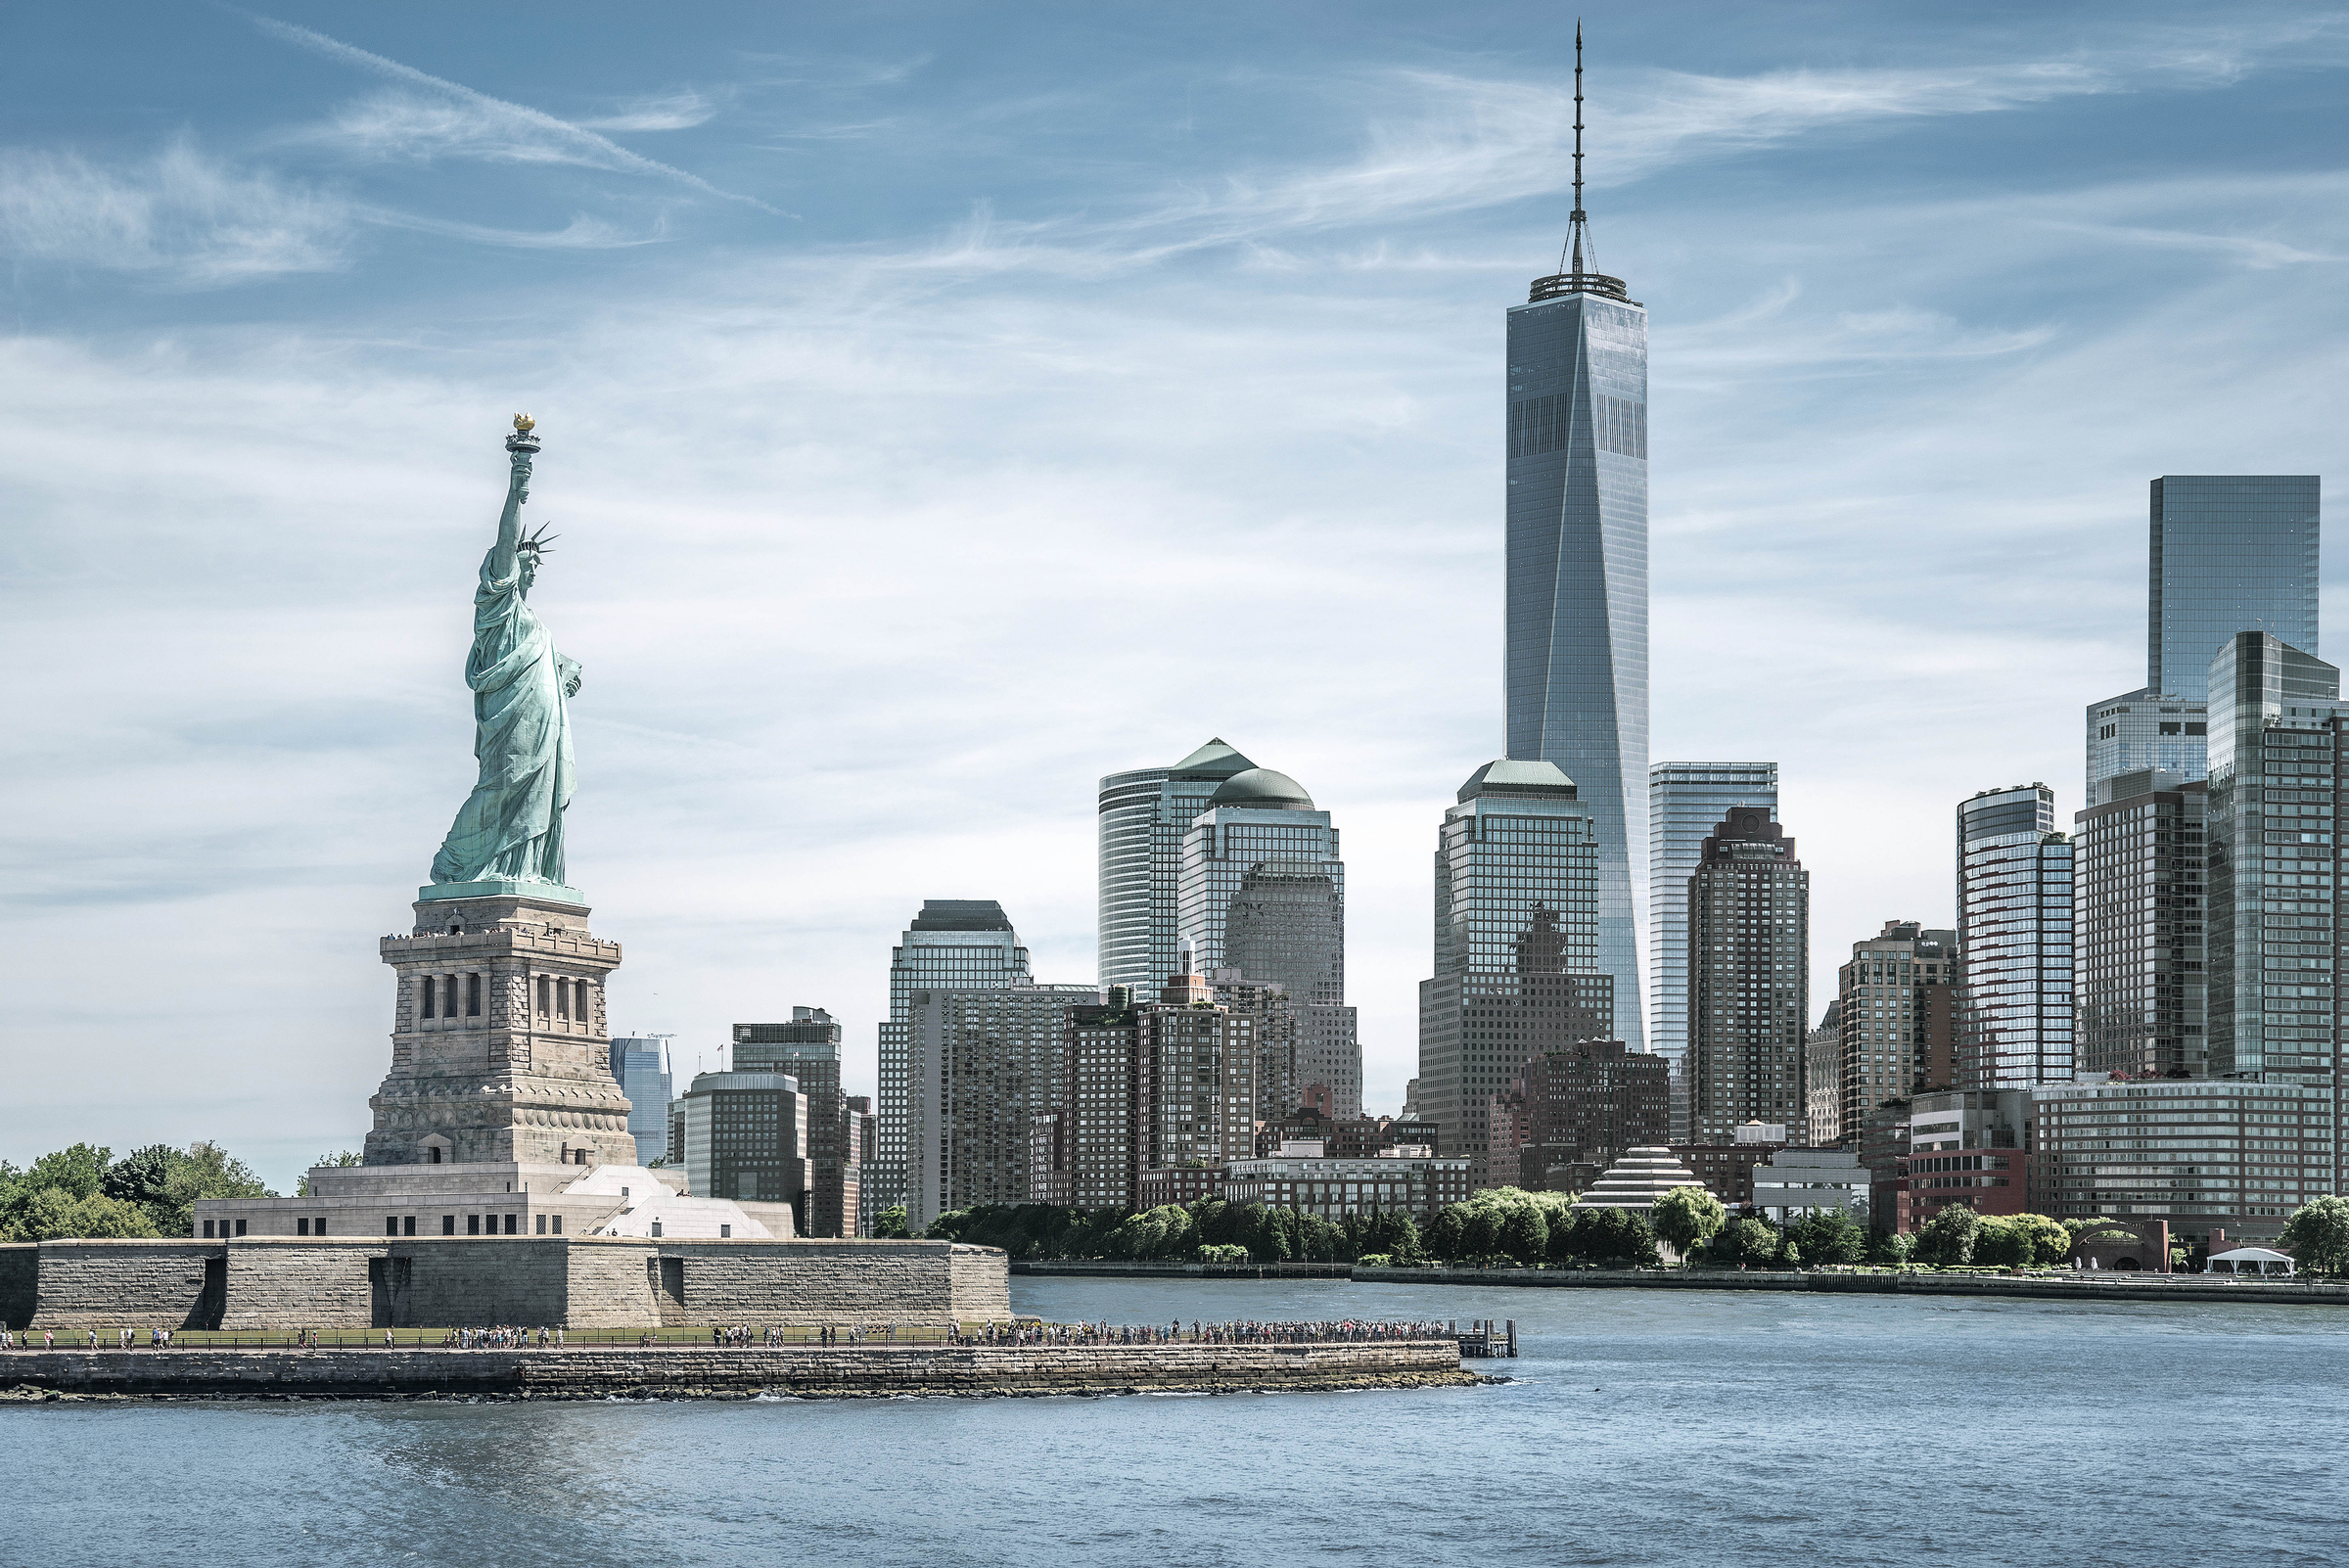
column 508, row 836
column 521, row 447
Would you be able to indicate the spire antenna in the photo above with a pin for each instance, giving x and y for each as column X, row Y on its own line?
column 1575, row 223
column 1578, row 253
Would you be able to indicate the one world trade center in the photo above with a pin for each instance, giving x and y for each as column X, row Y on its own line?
column 1577, row 564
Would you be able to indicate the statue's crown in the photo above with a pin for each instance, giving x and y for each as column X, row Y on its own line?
column 541, row 543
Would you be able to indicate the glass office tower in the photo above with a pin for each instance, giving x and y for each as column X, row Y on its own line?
column 1516, row 949
column 1685, row 802
column 1145, row 812
column 2269, row 820
column 2227, row 553
column 638, row 1067
column 1577, row 597
column 952, row 945
column 1262, row 886
column 2014, row 928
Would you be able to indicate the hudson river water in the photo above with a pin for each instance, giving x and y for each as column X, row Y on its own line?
column 1640, row 1427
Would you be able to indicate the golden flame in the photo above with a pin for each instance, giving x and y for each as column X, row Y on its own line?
column 524, row 423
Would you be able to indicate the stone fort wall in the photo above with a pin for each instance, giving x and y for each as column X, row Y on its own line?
column 444, row 1281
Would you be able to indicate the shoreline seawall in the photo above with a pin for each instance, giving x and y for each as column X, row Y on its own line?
column 681, row 1373
column 2098, row 1285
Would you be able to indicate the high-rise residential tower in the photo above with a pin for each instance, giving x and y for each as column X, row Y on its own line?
column 2014, row 927
column 1261, row 890
column 952, row 945
column 1144, row 814
column 2140, row 928
column 1685, row 801
column 1516, row 949
column 1748, row 905
column 1577, row 596
column 2226, row 553
column 1891, row 1029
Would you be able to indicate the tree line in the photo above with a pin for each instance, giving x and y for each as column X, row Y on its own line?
column 85, row 1191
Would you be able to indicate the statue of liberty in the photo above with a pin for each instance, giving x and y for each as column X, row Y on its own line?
column 510, row 829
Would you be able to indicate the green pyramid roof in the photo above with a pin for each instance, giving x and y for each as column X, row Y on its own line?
column 1215, row 760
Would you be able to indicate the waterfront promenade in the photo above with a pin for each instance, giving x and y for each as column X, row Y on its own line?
column 2091, row 1285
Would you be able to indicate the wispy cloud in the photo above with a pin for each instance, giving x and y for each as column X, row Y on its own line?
column 457, row 120
column 182, row 216
column 1443, row 142
column 659, row 111
column 582, row 233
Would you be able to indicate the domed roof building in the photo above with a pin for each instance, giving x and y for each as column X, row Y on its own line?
column 1263, row 789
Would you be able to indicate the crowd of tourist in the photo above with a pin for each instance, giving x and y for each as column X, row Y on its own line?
column 1240, row 1331
column 1031, row 1331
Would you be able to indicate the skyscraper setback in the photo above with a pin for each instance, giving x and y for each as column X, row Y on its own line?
column 2225, row 553
column 1576, row 596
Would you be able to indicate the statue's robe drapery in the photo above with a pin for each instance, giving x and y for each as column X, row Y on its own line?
column 511, row 827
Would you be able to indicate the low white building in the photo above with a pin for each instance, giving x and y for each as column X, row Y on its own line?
column 1794, row 1182
column 481, row 1199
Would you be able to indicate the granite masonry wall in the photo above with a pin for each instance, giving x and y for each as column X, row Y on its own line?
column 130, row 1284
column 445, row 1282
column 582, row 1372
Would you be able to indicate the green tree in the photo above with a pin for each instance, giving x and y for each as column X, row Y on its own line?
column 1891, row 1246
column 1947, row 1240
column 2050, row 1242
column 202, row 1170
column 1525, row 1233
column 78, row 1172
column 2001, row 1244
column 1744, row 1243
column 1687, row 1218
column 1828, row 1237
column 1447, row 1235
column 890, row 1222
column 2318, row 1235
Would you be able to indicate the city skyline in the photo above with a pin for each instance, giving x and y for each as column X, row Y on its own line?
column 897, row 487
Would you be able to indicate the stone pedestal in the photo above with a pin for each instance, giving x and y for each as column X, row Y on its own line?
column 500, row 1049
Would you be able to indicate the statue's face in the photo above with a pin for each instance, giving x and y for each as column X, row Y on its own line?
column 529, row 565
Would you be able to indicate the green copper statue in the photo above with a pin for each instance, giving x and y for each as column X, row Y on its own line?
column 511, row 828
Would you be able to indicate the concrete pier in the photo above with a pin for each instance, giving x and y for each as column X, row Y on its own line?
column 681, row 1373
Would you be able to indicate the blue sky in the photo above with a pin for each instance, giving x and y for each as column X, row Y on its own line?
column 945, row 406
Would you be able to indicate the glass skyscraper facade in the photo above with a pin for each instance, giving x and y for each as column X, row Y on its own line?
column 1576, row 596
column 1516, row 949
column 952, row 945
column 638, row 1068
column 1263, row 885
column 2275, row 730
column 2228, row 553
column 1685, row 802
column 2225, row 553
column 2014, row 930
column 1144, row 814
